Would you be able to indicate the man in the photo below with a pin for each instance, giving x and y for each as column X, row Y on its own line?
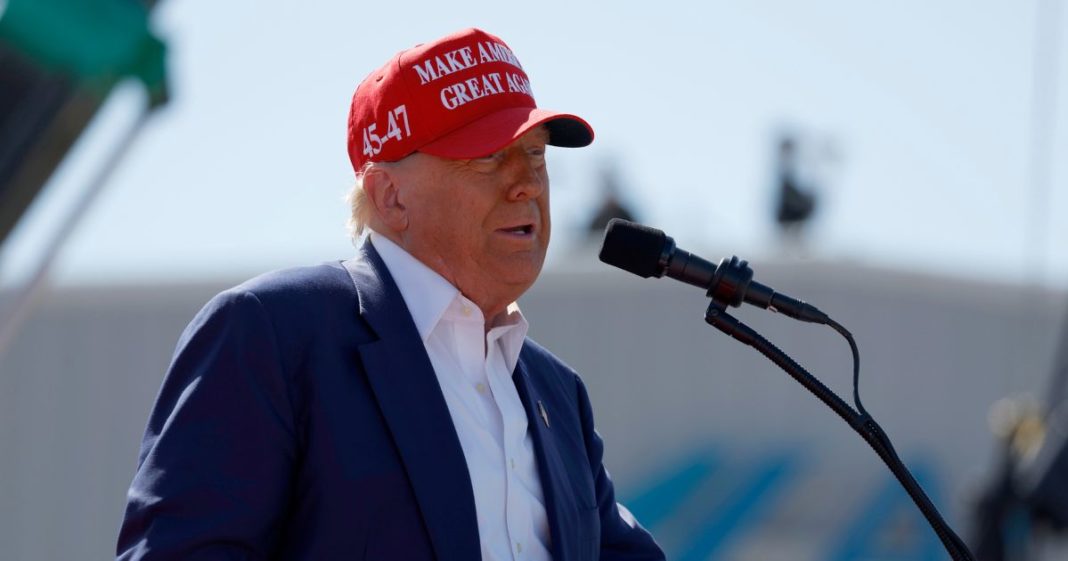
column 390, row 407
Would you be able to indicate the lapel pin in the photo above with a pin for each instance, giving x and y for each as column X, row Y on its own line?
column 544, row 415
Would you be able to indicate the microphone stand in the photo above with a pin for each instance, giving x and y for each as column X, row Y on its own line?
column 861, row 421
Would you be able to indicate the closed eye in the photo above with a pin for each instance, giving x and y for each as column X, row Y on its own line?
column 496, row 156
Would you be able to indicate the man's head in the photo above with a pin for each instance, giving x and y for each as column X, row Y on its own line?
column 449, row 151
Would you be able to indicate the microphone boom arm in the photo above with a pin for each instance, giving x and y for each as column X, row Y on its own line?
column 861, row 422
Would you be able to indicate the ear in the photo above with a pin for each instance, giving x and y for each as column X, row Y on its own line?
column 383, row 192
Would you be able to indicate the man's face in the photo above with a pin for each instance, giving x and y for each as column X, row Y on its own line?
column 484, row 223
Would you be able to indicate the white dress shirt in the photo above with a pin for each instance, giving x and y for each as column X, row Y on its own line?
column 474, row 369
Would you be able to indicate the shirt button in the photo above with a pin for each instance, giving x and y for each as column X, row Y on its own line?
column 466, row 310
column 480, row 387
column 513, row 462
column 518, row 547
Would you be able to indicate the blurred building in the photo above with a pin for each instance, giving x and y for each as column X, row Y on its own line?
column 719, row 452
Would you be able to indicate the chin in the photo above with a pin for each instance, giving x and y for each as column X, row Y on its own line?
column 521, row 281
column 521, row 276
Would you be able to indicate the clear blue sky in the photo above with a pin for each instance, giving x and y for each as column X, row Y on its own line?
column 928, row 107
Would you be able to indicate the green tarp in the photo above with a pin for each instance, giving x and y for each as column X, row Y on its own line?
column 98, row 42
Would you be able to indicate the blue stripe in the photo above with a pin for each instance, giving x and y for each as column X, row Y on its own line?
column 866, row 538
column 663, row 498
column 742, row 510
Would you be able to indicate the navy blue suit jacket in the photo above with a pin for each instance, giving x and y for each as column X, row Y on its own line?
column 301, row 419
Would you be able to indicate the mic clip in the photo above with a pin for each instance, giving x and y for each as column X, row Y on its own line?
column 731, row 281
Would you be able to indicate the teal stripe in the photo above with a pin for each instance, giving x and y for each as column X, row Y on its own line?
column 743, row 510
column 868, row 537
column 663, row 498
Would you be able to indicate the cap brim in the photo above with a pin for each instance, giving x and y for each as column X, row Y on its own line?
column 499, row 129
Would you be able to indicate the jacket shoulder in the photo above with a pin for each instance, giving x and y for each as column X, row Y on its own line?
column 314, row 290
column 301, row 303
column 315, row 281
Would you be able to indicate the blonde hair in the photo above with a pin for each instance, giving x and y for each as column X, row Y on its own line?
column 359, row 206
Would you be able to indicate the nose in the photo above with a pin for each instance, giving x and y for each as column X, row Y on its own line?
column 525, row 175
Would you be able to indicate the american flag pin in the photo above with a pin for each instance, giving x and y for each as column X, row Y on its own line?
column 544, row 415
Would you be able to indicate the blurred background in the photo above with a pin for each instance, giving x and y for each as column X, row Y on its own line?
column 902, row 166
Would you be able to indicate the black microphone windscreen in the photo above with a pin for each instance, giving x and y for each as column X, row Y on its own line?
column 633, row 247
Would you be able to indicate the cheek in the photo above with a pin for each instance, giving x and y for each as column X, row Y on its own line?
column 461, row 225
column 544, row 206
column 441, row 208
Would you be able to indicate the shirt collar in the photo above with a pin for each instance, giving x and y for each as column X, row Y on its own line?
column 511, row 329
column 428, row 296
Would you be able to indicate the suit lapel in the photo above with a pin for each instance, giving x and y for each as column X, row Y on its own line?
column 408, row 393
column 559, row 500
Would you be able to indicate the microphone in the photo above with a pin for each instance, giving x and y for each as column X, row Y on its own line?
column 648, row 252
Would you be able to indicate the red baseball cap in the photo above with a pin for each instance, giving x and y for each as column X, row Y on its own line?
column 462, row 96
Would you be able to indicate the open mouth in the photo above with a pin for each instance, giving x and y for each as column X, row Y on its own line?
column 521, row 230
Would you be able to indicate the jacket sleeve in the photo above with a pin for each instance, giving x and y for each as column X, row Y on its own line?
column 214, row 472
column 622, row 537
